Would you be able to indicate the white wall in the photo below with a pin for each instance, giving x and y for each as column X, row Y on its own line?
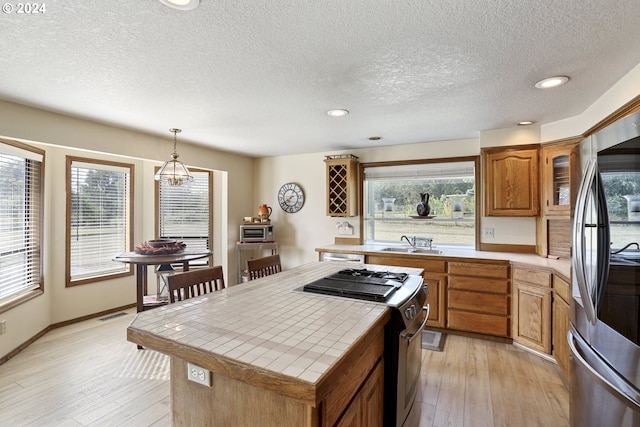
column 624, row 91
column 61, row 135
column 300, row 233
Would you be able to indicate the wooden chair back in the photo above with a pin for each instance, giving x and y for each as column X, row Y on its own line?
column 192, row 283
column 261, row 267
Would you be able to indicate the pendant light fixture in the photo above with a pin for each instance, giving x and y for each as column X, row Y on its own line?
column 174, row 172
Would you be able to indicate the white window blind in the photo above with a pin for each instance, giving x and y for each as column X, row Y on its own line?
column 184, row 212
column 20, row 204
column 421, row 171
column 98, row 219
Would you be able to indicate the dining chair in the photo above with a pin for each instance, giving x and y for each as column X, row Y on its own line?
column 195, row 282
column 261, row 267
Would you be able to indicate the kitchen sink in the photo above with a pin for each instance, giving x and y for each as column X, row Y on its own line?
column 406, row 250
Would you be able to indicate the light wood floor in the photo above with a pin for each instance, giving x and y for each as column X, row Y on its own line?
column 478, row 383
column 88, row 374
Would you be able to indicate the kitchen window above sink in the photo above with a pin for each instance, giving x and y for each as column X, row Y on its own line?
column 392, row 192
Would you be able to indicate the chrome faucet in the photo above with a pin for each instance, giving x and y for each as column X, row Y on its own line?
column 416, row 241
column 410, row 240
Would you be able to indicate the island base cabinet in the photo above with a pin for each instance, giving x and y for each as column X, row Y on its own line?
column 354, row 386
column 230, row 402
column 365, row 411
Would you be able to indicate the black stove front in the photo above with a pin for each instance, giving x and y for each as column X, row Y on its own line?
column 359, row 284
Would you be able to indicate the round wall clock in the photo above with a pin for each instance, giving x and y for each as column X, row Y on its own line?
column 291, row 197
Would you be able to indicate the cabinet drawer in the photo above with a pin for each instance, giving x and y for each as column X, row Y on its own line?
column 562, row 288
column 477, row 322
column 534, row 277
column 479, row 302
column 480, row 284
column 499, row 271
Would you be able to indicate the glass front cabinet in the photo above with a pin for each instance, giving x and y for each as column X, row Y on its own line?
column 558, row 178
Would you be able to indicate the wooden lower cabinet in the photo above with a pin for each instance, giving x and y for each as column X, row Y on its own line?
column 478, row 298
column 532, row 308
column 434, row 276
column 437, row 286
column 366, row 408
column 532, row 317
column 561, row 320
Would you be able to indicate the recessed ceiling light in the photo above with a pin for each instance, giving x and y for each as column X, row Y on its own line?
column 552, row 82
column 181, row 4
column 337, row 113
column 375, row 138
column 525, row 123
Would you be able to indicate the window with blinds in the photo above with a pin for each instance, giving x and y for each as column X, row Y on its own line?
column 98, row 219
column 184, row 212
column 20, row 220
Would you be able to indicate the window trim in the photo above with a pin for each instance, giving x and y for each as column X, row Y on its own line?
column 211, row 201
column 102, row 277
column 478, row 193
column 17, row 300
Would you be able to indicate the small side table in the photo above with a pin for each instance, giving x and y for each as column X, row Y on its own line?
column 252, row 246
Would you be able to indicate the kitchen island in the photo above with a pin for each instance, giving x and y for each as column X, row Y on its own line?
column 276, row 356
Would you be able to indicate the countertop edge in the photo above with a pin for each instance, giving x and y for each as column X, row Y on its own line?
column 304, row 392
column 562, row 267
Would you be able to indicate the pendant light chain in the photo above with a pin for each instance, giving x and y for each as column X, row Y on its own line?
column 175, row 131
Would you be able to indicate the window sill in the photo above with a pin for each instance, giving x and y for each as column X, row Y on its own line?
column 13, row 302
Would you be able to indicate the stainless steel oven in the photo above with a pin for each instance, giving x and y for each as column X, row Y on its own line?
column 403, row 352
column 406, row 295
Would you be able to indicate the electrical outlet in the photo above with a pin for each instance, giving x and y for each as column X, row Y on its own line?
column 3, row 327
column 488, row 232
column 199, row 375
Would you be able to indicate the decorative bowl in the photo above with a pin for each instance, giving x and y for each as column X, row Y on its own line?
column 160, row 243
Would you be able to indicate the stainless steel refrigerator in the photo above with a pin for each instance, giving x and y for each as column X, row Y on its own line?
column 605, row 311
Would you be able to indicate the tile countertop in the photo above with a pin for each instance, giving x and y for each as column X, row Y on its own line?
column 560, row 266
column 263, row 329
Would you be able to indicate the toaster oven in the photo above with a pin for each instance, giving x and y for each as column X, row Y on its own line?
column 256, row 233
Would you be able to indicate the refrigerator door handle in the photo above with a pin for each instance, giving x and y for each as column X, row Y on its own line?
column 596, row 367
column 578, row 260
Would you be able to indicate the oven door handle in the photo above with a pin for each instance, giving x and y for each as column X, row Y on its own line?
column 418, row 333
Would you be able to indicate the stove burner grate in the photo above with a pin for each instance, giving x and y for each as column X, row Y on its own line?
column 359, row 283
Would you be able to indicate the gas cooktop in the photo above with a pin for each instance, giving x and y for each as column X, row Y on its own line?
column 359, row 284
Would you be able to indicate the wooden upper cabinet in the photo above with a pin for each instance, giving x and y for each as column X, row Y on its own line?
column 511, row 181
column 342, row 185
column 559, row 180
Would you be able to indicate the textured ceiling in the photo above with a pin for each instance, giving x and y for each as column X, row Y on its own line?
column 257, row 76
